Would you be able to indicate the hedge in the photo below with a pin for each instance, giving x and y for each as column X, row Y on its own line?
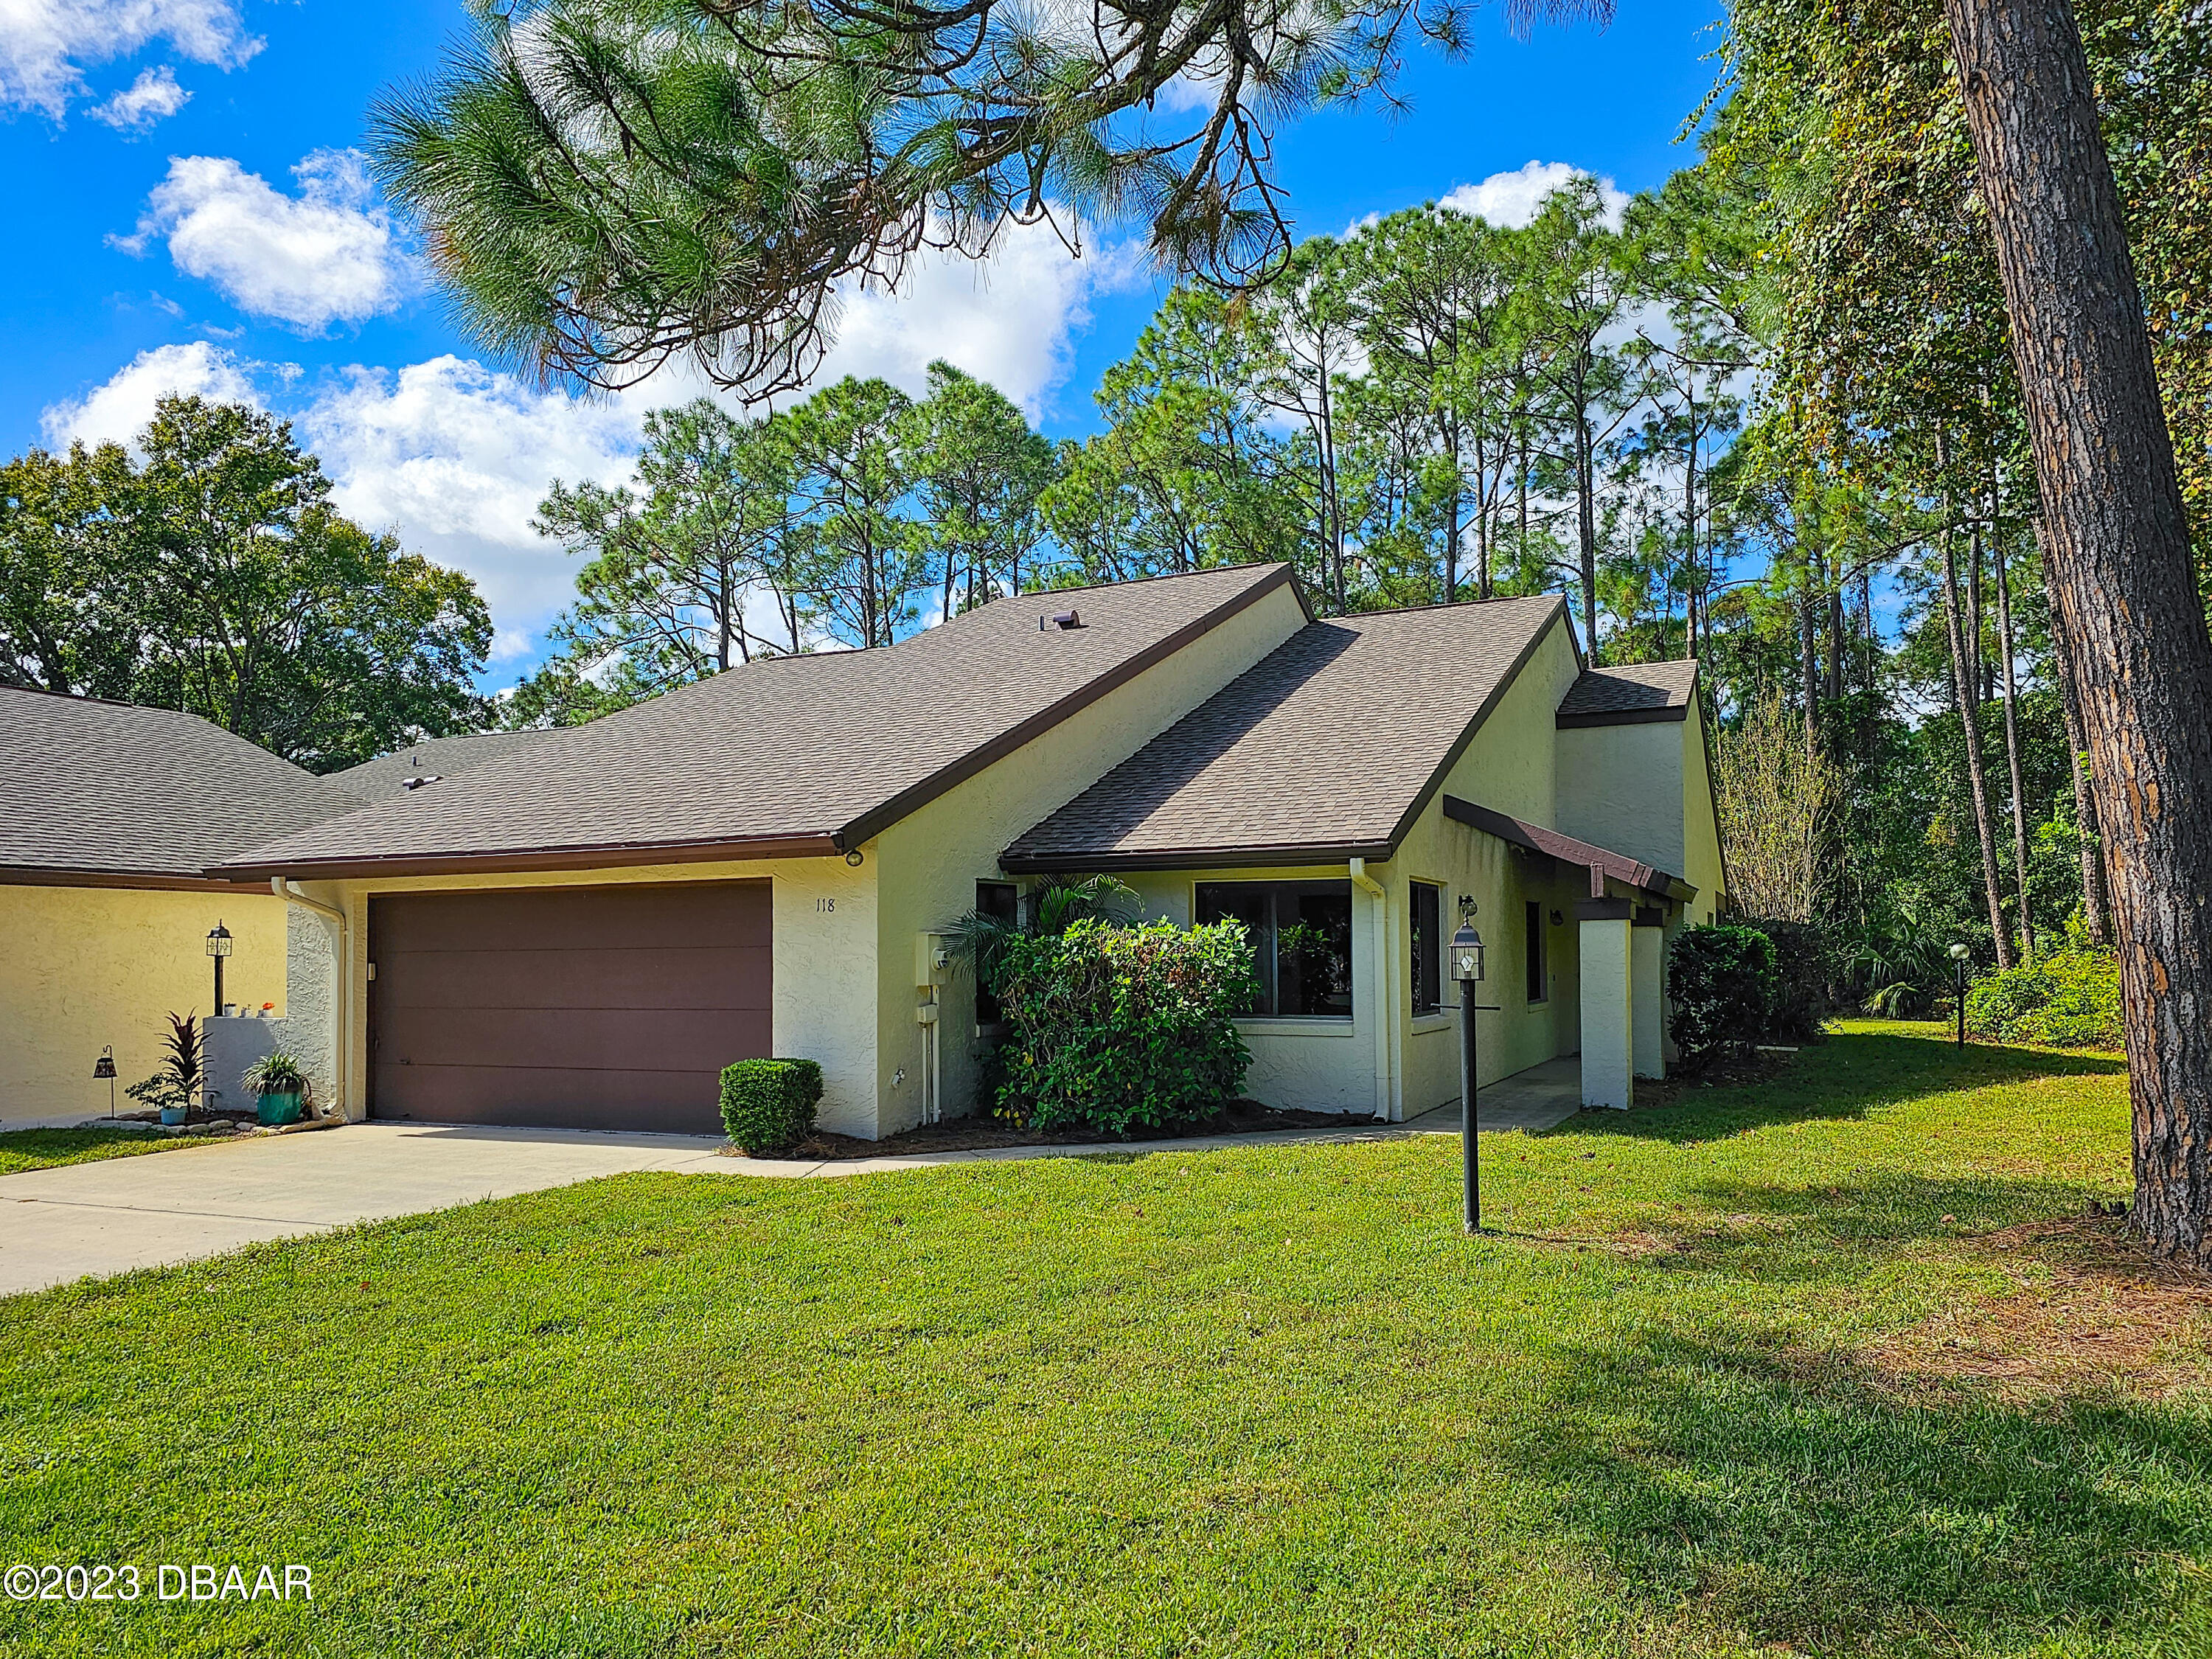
column 2067, row 1001
column 1119, row 1029
column 1722, row 983
column 767, row 1105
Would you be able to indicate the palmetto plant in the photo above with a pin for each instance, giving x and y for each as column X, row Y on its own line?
column 1052, row 909
column 180, row 1078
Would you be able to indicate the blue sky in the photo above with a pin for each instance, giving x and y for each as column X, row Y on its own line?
column 193, row 216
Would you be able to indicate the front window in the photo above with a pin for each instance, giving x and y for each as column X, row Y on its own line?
column 1428, row 948
column 1301, row 933
column 1539, row 987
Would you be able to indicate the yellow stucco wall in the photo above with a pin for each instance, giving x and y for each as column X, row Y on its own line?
column 822, row 918
column 1701, row 855
column 84, row 967
column 929, row 862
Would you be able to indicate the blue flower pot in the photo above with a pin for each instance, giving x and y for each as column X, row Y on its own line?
column 173, row 1116
column 277, row 1110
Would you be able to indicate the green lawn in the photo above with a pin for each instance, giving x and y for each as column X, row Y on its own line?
column 44, row 1149
column 1749, row 1375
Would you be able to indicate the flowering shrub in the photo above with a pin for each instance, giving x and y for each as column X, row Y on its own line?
column 1121, row 1029
column 2069, row 1001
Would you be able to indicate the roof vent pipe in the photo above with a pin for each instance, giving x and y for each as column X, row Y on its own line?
column 1066, row 621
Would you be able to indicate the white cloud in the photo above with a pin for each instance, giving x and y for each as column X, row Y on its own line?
column 1514, row 198
column 327, row 255
column 46, row 44
column 1009, row 320
column 456, row 456
column 153, row 96
column 118, row 410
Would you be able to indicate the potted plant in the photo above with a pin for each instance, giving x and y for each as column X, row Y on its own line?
column 170, row 1090
column 281, row 1082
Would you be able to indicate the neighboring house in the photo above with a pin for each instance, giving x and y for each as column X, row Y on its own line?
column 583, row 932
column 109, row 816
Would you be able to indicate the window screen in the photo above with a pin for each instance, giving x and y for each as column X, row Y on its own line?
column 1301, row 934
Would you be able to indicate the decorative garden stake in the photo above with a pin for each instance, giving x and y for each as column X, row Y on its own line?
column 218, row 946
column 1467, row 968
column 1959, row 955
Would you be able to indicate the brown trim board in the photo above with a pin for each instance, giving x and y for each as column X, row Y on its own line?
column 33, row 875
column 1197, row 858
column 1674, row 713
column 615, row 856
column 1567, row 850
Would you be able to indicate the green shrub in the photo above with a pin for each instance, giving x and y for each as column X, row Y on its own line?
column 2069, row 1001
column 1121, row 1029
column 1721, row 981
column 767, row 1105
column 1804, row 953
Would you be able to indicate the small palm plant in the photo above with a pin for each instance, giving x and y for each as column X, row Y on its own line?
column 174, row 1087
column 276, row 1073
column 1053, row 909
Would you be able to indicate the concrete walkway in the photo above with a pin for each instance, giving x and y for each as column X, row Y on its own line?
column 109, row 1217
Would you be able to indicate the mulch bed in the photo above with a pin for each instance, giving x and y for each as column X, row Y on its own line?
column 981, row 1134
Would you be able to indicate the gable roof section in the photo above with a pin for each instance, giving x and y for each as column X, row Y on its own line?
column 1630, row 695
column 1326, row 749
column 790, row 756
column 442, row 757
column 108, row 793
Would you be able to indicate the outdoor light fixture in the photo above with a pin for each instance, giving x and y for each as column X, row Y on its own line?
column 854, row 859
column 218, row 946
column 1959, row 955
column 1467, row 968
column 105, row 1067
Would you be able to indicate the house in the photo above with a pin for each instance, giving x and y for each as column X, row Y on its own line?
column 109, row 817
column 582, row 931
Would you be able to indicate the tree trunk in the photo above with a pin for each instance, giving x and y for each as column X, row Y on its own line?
column 2096, row 907
column 2012, row 751
column 2122, row 582
column 1970, row 733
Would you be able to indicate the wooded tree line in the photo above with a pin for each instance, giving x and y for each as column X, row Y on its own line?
column 208, row 571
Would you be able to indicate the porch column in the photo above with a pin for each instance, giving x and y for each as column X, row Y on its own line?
column 1607, row 987
column 1647, row 951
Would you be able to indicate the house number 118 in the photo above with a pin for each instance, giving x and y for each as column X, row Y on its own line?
column 825, row 905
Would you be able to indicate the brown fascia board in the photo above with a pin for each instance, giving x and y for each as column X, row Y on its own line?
column 1617, row 867
column 1676, row 714
column 877, row 819
column 608, row 857
column 1195, row 858
column 37, row 875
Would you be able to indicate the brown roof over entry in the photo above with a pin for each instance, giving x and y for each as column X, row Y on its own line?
column 1630, row 695
column 1326, row 749
column 1603, row 864
column 787, row 757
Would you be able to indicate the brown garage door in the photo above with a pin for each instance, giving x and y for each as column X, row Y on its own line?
column 577, row 1008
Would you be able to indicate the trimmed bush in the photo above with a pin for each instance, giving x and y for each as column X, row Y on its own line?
column 2069, row 1000
column 1121, row 1029
column 1802, row 952
column 767, row 1105
column 1722, row 983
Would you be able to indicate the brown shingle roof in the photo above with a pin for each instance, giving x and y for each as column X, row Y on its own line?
column 90, row 788
column 792, row 755
column 1630, row 693
column 1327, row 748
column 442, row 757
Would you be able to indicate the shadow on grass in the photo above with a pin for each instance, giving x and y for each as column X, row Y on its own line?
column 1841, row 1078
column 1801, row 1498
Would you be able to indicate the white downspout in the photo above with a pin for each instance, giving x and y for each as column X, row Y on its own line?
column 1385, row 1024
column 343, row 1018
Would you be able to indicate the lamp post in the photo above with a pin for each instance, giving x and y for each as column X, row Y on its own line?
column 218, row 946
column 105, row 1067
column 1467, row 968
column 1959, row 955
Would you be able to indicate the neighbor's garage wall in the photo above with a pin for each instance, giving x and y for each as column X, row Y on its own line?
column 822, row 950
column 84, row 966
column 929, row 862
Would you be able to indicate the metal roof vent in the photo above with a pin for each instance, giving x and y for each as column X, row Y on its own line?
column 417, row 782
column 1066, row 621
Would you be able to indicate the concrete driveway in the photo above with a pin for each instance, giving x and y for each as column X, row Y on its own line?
column 124, row 1212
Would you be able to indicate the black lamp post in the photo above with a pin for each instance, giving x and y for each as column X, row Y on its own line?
column 1959, row 955
column 1467, row 968
column 218, row 946
column 105, row 1067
